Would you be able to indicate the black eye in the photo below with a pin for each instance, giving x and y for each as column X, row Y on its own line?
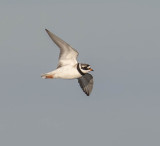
column 86, row 68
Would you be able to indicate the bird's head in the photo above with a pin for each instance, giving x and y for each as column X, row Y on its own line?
column 85, row 68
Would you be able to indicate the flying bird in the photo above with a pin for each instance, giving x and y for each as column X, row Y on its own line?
column 68, row 67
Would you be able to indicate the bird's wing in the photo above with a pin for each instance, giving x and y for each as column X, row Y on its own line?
column 86, row 83
column 68, row 55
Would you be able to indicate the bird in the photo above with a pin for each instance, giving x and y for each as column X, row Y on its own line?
column 68, row 67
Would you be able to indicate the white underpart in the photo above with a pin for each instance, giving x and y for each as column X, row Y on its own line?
column 65, row 72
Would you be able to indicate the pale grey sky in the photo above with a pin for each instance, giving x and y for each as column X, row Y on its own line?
column 119, row 39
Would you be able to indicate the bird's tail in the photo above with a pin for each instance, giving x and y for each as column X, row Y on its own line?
column 47, row 76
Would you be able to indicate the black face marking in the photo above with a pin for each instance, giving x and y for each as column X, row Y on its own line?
column 80, row 70
column 85, row 66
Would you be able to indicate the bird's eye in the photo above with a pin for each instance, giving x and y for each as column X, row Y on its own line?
column 85, row 68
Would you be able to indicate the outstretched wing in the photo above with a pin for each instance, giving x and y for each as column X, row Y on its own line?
column 86, row 83
column 68, row 55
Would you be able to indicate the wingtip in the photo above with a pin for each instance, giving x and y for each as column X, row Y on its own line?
column 87, row 93
column 46, row 30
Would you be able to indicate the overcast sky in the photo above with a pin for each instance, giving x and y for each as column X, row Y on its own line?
column 119, row 39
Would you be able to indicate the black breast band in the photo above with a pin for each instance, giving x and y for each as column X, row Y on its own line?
column 80, row 70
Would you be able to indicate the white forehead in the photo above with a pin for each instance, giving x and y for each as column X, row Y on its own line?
column 85, row 65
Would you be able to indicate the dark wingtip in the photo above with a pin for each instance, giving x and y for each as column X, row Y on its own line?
column 87, row 93
column 46, row 30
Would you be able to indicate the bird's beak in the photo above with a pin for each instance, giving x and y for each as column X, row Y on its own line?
column 91, row 69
